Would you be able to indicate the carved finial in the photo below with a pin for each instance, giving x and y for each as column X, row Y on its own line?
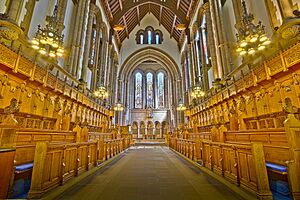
column 13, row 107
column 288, row 106
column 10, row 110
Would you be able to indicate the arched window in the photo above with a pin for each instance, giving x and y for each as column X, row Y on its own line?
column 161, row 90
column 149, row 37
column 157, row 38
column 93, row 43
column 149, row 78
column 138, row 102
column 141, row 38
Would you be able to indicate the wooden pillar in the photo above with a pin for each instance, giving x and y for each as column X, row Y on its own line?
column 77, row 130
column 37, row 179
column 292, row 128
column 259, row 161
column 222, row 131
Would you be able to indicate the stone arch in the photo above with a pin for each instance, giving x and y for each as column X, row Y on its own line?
column 149, row 53
column 142, row 128
column 134, row 128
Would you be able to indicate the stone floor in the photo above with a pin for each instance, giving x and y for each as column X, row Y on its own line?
column 149, row 172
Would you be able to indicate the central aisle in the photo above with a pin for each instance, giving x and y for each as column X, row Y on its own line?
column 153, row 173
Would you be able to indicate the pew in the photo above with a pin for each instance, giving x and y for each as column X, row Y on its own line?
column 55, row 164
column 243, row 165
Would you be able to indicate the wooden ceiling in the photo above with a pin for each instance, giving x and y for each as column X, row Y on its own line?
column 129, row 14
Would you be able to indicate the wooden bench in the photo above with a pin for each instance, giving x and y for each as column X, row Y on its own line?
column 275, row 143
column 27, row 139
column 55, row 164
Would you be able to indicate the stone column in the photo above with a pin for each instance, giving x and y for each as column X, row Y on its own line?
column 104, row 59
column 204, row 71
column 211, row 42
column 14, row 10
column 61, row 13
column 25, row 24
column 71, row 65
column 223, row 45
column 108, row 64
column 87, row 44
column 192, row 63
column 237, row 8
column 83, row 34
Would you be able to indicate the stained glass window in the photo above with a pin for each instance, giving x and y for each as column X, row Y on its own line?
column 141, row 39
column 161, row 90
column 157, row 39
column 94, row 36
column 149, row 79
column 138, row 90
column 149, row 37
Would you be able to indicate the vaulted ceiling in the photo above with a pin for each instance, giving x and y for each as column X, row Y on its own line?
column 129, row 13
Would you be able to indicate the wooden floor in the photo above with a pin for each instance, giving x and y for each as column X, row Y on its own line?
column 150, row 172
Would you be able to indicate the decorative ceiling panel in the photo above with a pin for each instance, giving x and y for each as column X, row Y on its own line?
column 129, row 14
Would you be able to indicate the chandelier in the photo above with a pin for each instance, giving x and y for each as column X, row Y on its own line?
column 250, row 38
column 134, row 1
column 101, row 92
column 47, row 40
column 181, row 106
column 180, row 27
column 197, row 92
column 118, row 106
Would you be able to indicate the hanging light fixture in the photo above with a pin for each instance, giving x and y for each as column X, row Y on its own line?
column 101, row 92
column 180, row 27
column 48, row 41
column 119, row 106
column 250, row 38
column 118, row 27
column 197, row 92
column 180, row 106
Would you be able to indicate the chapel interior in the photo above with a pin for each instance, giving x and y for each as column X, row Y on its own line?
column 150, row 99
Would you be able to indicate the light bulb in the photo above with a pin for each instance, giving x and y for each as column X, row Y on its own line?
column 251, row 51
column 243, row 43
column 60, row 50
column 243, row 53
column 239, row 49
column 50, row 34
column 261, row 47
column 55, row 45
column 59, row 54
column 36, row 47
column 42, row 51
column 52, row 54
column 267, row 42
column 263, row 38
column 35, row 41
column 43, row 41
column 253, row 39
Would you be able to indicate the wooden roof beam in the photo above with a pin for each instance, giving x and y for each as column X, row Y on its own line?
column 170, row 5
column 160, row 14
column 121, row 4
column 173, row 26
column 126, row 28
column 138, row 15
column 178, row 3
